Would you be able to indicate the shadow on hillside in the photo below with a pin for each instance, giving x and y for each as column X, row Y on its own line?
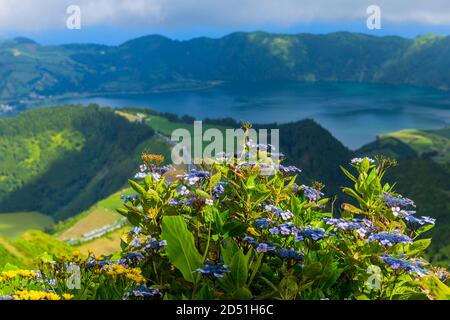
column 79, row 179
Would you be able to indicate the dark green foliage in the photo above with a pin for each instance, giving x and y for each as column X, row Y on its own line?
column 74, row 179
column 313, row 149
column 156, row 62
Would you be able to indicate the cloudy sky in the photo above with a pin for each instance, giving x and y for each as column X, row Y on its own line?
column 113, row 21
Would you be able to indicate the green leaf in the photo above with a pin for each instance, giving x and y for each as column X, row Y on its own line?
column 9, row 267
column 296, row 205
column 215, row 179
column 424, row 229
column 250, row 183
column 45, row 257
column 122, row 211
column 312, row 270
column 152, row 195
column 234, row 228
column 242, row 294
column 228, row 250
column 202, row 194
column 204, row 293
column 137, row 187
column 348, row 174
column 180, row 247
column 418, row 246
column 436, row 288
column 239, row 269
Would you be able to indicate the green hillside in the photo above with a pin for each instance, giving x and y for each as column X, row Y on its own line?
column 12, row 225
column 32, row 72
column 60, row 161
column 24, row 251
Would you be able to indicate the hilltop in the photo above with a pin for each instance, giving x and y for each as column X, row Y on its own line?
column 32, row 72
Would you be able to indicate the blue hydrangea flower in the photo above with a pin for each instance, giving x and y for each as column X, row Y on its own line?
column 411, row 265
column 289, row 169
column 134, row 257
column 312, row 194
column 285, row 215
column 415, row 223
column 362, row 226
column 135, row 231
column 265, row 247
column 135, row 242
column 289, row 254
column 218, row 190
column 310, row 233
column 399, row 212
column 142, row 292
column 217, row 270
column 195, row 177
column 130, row 198
column 262, row 223
column 52, row 282
column 154, row 244
column 385, row 238
column 184, row 191
column 274, row 230
column 399, row 201
column 359, row 160
column 140, row 175
column 251, row 241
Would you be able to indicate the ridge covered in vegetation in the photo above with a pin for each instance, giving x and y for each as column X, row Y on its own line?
column 157, row 63
column 59, row 161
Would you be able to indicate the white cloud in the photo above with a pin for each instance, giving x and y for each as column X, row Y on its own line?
column 33, row 15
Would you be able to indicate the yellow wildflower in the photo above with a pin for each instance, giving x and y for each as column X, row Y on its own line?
column 67, row 296
column 35, row 295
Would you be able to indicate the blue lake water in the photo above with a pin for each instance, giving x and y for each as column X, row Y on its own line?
column 353, row 113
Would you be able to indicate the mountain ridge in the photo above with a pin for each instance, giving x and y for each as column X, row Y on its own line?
column 29, row 70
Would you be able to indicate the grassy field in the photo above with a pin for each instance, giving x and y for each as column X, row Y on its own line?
column 12, row 225
column 106, row 245
column 99, row 215
column 433, row 143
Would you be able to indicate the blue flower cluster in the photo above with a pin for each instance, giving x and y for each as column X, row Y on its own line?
column 385, row 238
column 411, row 265
column 217, row 270
column 408, row 217
column 311, row 193
column 310, row 233
column 263, row 223
column 359, row 160
column 415, row 223
column 283, row 253
column 363, row 227
column 195, row 177
column 153, row 170
column 285, row 215
column 402, row 202
column 218, row 190
column 289, row 169
column 130, row 198
column 143, row 292
column 284, row 229
column 131, row 259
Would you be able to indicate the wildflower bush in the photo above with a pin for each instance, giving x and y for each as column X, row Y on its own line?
column 244, row 227
column 230, row 230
